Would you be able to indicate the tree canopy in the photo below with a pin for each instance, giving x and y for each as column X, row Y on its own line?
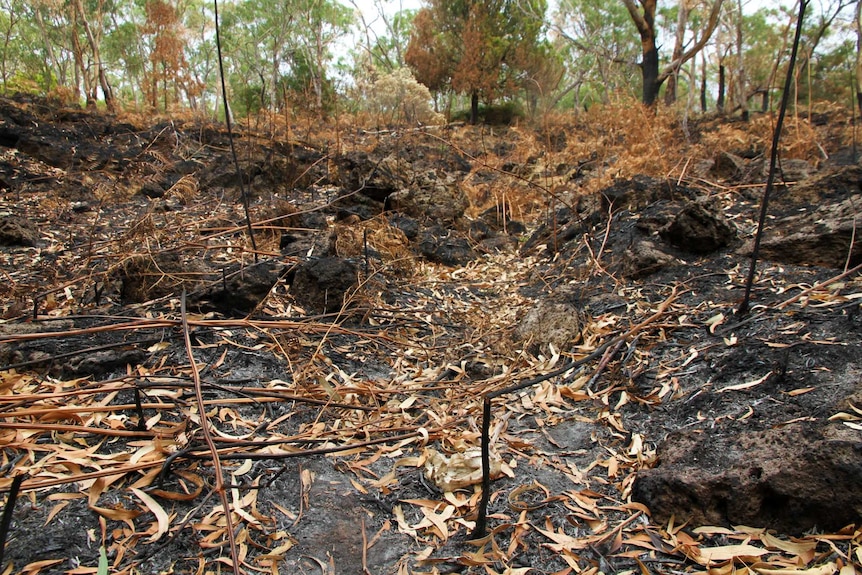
column 481, row 48
column 300, row 55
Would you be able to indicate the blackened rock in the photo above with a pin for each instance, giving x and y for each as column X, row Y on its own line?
column 699, row 229
column 515, row 228
column 728, row 167
column 790, row 479
column 406, row 224
column 305, row 243
column 152, row 190
column 441, row 246
column 499, row 223
column 825, row 237
column 479, row 230
column 17, row 232
column 242, row 290
column 497, row 243
column 640, row 191
column 313, row 220
column 324, row 284
column 561, row 227
column 644, row 258
column 440, row 200
column 375, row 178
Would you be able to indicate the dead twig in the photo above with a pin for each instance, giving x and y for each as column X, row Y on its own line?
column 219, row 472
column 818, row 286
column 482, row 513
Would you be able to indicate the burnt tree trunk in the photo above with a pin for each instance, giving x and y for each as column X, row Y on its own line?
column 649, row 72
column 474, row 107
column 645, row 23
column 719, row 101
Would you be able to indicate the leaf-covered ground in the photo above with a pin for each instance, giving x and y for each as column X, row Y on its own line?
column 347, row 442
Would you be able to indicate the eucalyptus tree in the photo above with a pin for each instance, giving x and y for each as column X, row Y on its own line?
column 322, row 24
column 821, row 30
column 125, row 51
column 166, row 65
column 693, row 19
column 480, row 48
column 91, row 20
column 765, row 40
column 858, row 68
column 200, row 53
column 381, row 52
column 643, row 15
column 598, row 50
column 47, row 39
column 274, row 48
column 10, row 18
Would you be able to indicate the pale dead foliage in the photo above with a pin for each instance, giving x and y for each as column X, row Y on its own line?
column 397, row 98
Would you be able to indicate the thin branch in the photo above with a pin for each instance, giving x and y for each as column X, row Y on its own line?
column 773, row 160
column 219, row 472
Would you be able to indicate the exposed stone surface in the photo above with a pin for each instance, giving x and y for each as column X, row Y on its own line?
column 728, row 167
column 699, row 229
column 242, row 290
column 499, row 222
column 440, row 200
column 556, row 319
column 445, row 246
column 640, row 191
column 791, row 479
column 375, row 178
column 17, row 232
column 304, row 243
column 644, row 258
column 323, row 284
column 790, row 170
column 824, row 237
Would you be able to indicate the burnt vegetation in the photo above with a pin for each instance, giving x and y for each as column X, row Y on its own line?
column 295, row 345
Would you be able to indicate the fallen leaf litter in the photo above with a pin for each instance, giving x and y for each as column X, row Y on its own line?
column 395, row 399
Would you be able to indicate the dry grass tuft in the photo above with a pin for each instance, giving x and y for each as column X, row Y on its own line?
column 186, row 189
column 386, row 244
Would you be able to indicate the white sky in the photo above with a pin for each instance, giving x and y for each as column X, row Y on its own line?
column 370, row 8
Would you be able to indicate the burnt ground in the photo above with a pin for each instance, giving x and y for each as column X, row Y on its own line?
column 395, row 279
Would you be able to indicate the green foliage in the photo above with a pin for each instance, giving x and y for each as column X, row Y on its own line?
column 762, row 34
column 286, row 47
column 599, row 48
column 383, row 54
column 102, row 568
column 282, row 55
column 832, row 74
column 502, row 114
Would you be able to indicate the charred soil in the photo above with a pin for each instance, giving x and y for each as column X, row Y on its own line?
column 394, row 280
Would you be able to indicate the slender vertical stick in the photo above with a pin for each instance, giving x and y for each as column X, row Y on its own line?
column 773, row 158
column 8, row 510
column 482, row 514
column 227, row 122
column 219, row 474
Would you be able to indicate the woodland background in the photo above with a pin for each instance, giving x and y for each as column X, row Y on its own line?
column 313, row 58
column 403, row 276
